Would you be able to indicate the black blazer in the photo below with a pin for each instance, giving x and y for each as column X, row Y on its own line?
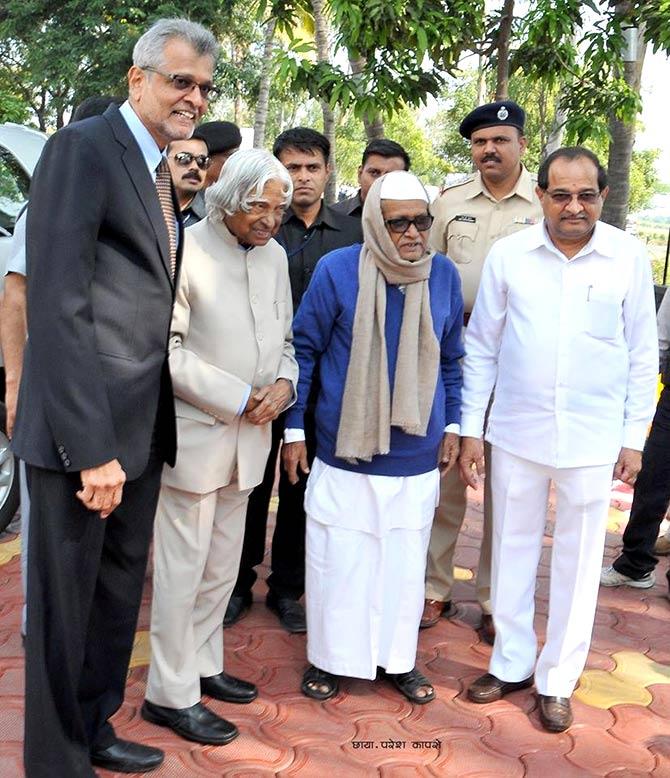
column 95, row 379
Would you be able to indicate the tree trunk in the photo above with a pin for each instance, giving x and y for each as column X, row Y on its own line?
column 504, row 35
column 615, row 209
column 374, row 125
column 323, row 55
column 481, row 81
column 261, row 114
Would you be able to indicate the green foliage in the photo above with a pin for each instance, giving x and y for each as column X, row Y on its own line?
column 644, row 182
column 404, row 48
column 59, row 53
column 578, row 47
column 402, row 127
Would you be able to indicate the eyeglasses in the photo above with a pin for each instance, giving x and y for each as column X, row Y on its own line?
column 585, row 198
column 186, row 83
column 184, row 158
column 422, row 222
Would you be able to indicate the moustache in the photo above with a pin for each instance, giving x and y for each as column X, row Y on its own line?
column 192, row 176
column 490, row 158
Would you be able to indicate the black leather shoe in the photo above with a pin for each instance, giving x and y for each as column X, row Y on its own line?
column 488, row 688
column 555, row 712
column 228, row 688
column 291, row 613
column 487, row 630
column 197, row 723
column 238, row 605
column 126, row 757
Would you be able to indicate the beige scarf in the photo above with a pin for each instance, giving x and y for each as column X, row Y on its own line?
column 367, row 411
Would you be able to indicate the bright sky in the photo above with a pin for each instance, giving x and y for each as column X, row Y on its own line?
column 655, row 114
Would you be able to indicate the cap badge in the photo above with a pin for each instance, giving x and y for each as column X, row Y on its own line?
column 503, row 113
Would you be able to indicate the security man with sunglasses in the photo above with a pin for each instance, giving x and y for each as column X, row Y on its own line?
column 497, row 200
column 189, row 161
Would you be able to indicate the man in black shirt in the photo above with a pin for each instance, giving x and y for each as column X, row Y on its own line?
column 309, row 230
column 379, row 157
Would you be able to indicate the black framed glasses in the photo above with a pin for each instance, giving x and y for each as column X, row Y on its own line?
column 184, row 158
column 589, row 197
column 422, row 222
column 186, row 83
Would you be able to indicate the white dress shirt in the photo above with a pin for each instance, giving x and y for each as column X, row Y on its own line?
column 570, row 346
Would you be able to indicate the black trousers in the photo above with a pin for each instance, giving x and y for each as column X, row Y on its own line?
column 650, row 501
column 287, row 564
column 85, row 584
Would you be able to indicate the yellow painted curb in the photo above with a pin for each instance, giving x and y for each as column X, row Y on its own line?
column 625, row 685
column 10, row 549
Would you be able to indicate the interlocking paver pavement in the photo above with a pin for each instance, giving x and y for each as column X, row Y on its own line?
column 370, row 730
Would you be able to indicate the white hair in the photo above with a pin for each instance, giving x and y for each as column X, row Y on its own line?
column 148, row 51
column 242, row 180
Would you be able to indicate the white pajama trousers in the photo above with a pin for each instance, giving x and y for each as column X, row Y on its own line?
column 366, row 544
column 520, row 491
column 197, row 548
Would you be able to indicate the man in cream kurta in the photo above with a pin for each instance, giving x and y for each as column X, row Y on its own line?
column 564, row 325
column 231, row 342
column 498, row 200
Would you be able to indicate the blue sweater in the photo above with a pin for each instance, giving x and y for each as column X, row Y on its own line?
column 323, row 329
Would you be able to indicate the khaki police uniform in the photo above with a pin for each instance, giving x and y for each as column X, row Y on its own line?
column 468, row 220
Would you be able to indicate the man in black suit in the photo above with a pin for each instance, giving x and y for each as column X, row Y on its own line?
column 95, row 417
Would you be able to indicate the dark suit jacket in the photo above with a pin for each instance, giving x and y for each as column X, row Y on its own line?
column 95, row 378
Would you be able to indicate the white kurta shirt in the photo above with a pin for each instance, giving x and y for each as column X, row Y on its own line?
column 570, row 346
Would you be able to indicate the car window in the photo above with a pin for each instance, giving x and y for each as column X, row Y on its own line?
column 14, row 183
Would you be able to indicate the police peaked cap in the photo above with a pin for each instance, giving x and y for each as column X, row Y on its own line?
column 504, row 113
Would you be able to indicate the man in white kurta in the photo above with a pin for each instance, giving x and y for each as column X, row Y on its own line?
column 564, row 327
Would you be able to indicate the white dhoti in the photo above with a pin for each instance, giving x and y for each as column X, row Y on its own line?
column 197, row 548
column 366, row 543
column 520, row 491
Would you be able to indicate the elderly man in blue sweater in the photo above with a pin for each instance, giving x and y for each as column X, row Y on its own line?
column 382, row 322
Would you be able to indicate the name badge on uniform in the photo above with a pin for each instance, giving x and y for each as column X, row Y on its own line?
column 462, row 217
column 525, row 220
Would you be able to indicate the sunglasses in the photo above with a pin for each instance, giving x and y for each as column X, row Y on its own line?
column 585, row 198
column 184, row 158
column 186, row 83
column 422, row 222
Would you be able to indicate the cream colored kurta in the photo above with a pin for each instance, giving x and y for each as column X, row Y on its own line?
column 231, row 329
column 468, row 220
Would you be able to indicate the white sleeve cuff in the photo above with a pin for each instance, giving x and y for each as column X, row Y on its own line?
column 244, row 402
column 455, row 428
column 294, row 435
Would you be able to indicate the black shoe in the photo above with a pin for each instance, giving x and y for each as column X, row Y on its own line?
column 488, row 688
column 238, row 605
column 126, row 757
column 291, row 613
column 197, row 723
column 228, row 688
column 555, row 712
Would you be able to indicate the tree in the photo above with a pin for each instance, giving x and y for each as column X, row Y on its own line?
column 265, row 82
column 323, row 55
column 403, row 51
column 56, row 54
column 622, row 133
column 504, row 36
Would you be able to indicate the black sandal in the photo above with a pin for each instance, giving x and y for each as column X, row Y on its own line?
column 322, row 678
column 410, row 683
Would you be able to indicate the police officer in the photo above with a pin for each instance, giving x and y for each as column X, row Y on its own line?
column 497, row 200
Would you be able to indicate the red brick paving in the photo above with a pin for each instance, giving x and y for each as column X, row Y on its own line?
column 284, row 734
